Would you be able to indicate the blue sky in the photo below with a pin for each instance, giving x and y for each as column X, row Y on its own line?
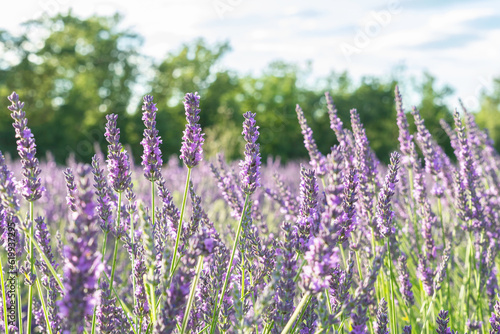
column 456, row 40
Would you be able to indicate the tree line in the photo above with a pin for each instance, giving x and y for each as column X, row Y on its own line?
column 73, row 71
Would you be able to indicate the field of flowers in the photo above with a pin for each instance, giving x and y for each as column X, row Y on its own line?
column 340, row 244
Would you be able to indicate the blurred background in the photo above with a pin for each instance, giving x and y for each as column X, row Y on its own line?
column 75, row 61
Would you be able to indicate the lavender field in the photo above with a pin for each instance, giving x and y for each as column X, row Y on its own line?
column 337, row 244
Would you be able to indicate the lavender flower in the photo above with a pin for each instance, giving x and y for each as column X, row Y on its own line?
column 385, row 215
column 285, row 293
column 404, row 281
column 321, row 259
column 382, row 319
column 495, row 319
column 405, row 138
column 8, row 195
column 308, row 220
column 191, row 150
column 317, row 159
column 82, row 264
column 426, row 275
column 151, row 158
column 103, row 198
column 31, row 184
column 442, row 322
column 118, row 163
column 469, row 174
column 347, row 220
column 407, row 329
column 250, row 167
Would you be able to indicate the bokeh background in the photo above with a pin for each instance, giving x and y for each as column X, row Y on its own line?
column 75, row 61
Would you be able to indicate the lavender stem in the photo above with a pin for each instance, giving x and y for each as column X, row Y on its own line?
column 4, row 298
column 113, row 267
column 32, row 269
column 230, row 265
column 199, row 268
column 305, row 300
column 179, row 227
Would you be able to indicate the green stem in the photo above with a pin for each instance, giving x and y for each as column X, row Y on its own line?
column 103, row 252
column 115, row 251
column 45, row 259
column 305, row 299
column 32, row 269
column 4, row 298
column 45, row 313
column 19, row 304
column 118, row 214
column 230, row 266
column 393, row 309
column 469, row 273
column 358, row 262
column 179, row 227
column 199, row 268
column 428, row 312
column 153, row 292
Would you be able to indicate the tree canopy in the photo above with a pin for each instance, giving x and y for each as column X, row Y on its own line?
column 74, row 71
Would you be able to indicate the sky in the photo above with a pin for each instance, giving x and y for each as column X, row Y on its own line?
column 457, row 41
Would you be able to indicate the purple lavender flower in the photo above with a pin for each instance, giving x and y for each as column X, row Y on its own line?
column 382, row 319
column 407, row 329
column 442, row 322
column 103, row 199
column 347, row 220
column 141, row 307
column 335, row 122
column 470, row 177
column 42, row 236
column 286, row 287
column 308, row 220
column 31, row 184
column 250, row 167
column 8, row 195
column 191, row 150
column 404, row 281
column 405, row 138
column 82, row 263
column 385, row 215
column 366, row 164
column 151, row 158
column 118, row 163
column 426, row 275
column 317, row 159
column 495, row 319
column 321, row 259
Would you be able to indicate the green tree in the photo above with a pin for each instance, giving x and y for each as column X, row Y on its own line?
column 82, row 70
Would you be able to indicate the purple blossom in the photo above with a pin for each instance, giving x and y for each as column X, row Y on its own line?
column 192, row 141
column 405, row 138
column 321, row 259
column 317, row 159
column 104, row 208
column 385, row 215
column 151, row 158
column 26, row 148
column 442, row 322
column 382, row 319
column 405, row 285
column 250, row 167
column 82, row 263
column 118, row 161
column 470, row 177
column 8, row 196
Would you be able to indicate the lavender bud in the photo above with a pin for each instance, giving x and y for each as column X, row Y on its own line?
column 151, row 158
column 250, row 167
column 192, row 141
